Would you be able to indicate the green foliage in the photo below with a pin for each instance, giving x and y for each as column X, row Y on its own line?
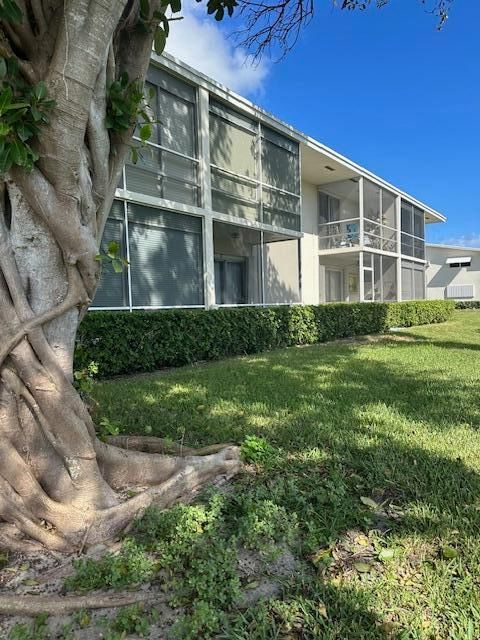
column 378, row 462
column 265, row 524
column 133, row 620
column 24, row 110
column 84, row 379
column 124, row 100
column 107, row 427
column 218, row 7
column 467, row 304
column 112, row 255
column 37, row 630
column 10, row 11
column 257, row 450
column 131, row 566
column 123, row 342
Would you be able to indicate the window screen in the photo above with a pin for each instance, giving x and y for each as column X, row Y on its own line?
column 419, row 282
column 281, row 209
column 166, row 261
column 113, row 288
column 232, row 147
column 389, row 278
column 280, row 163
column 407, row 287
column 407, row 217
column 162, row 172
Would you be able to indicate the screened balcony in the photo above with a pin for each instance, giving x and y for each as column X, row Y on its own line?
column 340, row 217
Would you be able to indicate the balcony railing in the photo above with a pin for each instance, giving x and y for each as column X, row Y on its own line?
column 343, row 234
column 340, row 234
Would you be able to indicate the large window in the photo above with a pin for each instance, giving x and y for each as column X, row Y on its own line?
column 379, row 213
column 165, row 255
column 281, row 180
column 113, row 289
column 234, row 163
column 167, row 165
column 385, row 278
column 413, row 231
column 413, row 280
column 254, row 170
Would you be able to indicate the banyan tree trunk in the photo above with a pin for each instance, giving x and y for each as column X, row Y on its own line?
column 58, row 483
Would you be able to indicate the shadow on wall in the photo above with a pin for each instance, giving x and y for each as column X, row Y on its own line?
column 443, row 277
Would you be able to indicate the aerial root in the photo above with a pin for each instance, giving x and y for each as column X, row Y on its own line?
column 151, row 444
column 30, row 605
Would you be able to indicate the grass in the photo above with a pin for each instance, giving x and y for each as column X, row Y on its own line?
column 374, row 473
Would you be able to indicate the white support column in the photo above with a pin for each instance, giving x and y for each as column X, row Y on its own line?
column 361, row 282
column 204, row 179
column 398, row 224
column 208, row 261
column 360, row 211
column 203, row 120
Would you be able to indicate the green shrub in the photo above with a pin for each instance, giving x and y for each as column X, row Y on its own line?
column 467, row 304
column 122, row 342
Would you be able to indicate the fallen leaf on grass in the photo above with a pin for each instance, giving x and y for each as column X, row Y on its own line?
column 362, row 567
column 368, row 502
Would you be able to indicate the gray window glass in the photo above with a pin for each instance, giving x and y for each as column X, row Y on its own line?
column 113, row 287
column 280, row 162
column 166, row 262
column 161, row 172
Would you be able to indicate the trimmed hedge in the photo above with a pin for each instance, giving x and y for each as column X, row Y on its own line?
column 467, row 304
column 121, row 342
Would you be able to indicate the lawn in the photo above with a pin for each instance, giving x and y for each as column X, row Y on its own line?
column 371, row 476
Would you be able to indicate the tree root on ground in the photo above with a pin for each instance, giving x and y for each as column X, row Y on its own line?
column 29, row 605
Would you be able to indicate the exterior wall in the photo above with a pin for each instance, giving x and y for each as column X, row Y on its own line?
column 440, row 275
column 282, row 273
column 312, row 288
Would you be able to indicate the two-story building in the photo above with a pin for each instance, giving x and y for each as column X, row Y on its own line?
column 229, row 206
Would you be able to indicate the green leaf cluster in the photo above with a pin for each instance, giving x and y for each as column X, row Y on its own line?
column 24, row 110
column 112, row 255
column 218, row 8
column 124, row 99
column 10, row 11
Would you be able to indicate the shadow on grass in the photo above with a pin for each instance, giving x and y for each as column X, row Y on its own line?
column 382, row 421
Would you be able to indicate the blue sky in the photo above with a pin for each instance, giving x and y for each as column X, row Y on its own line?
column 383, row 87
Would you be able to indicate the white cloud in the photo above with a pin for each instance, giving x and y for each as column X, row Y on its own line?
column 204, row 45
column 465, row 240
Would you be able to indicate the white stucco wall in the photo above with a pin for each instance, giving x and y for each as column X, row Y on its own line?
column 439, row 274
column 309, row 245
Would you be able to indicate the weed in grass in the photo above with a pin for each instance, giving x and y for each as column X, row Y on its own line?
column 131, row 566
column 257, row 450
column 133, row 620
column 36, row 630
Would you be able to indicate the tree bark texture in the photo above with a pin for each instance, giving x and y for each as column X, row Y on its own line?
column 58, row 483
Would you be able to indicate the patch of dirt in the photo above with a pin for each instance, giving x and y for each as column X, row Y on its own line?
column 43, row 573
